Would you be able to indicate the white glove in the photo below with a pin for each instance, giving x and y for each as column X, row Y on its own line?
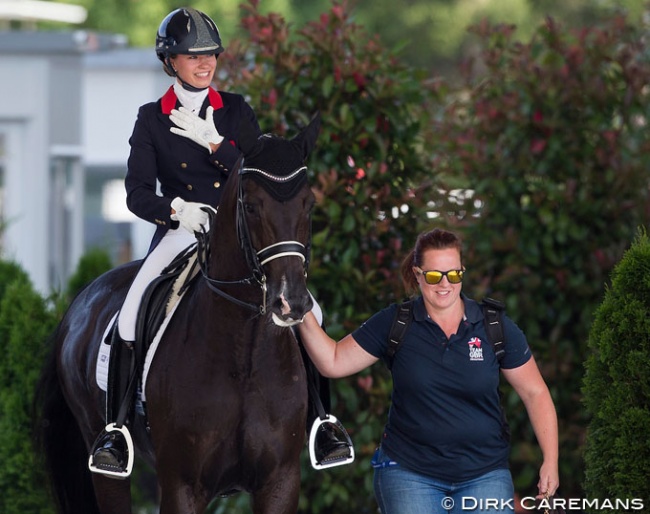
column 192, row 126
column 191, row 215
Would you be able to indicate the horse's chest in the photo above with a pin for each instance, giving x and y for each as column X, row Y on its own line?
column 230, row 379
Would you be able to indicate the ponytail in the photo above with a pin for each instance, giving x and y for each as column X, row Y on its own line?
column 408, row 277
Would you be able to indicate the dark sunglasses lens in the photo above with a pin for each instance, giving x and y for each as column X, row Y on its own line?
column 433, row 277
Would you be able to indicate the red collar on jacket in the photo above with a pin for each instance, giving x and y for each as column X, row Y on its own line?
column 169, row 99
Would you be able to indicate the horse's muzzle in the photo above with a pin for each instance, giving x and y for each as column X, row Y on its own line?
column 289, row 311
column 289, row 322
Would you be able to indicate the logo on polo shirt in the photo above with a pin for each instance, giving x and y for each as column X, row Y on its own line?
column 475, row 350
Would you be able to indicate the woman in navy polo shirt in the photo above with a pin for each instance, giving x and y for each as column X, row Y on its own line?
column 445, row 445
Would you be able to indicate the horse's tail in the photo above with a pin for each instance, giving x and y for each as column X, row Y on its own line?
column 60, row 443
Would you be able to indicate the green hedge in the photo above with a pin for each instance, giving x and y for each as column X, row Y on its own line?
column 25, row 322
column 617, row 384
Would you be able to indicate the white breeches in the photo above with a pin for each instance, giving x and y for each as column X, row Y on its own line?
column 172, row 243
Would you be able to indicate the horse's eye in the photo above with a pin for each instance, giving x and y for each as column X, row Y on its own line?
column 250, row 208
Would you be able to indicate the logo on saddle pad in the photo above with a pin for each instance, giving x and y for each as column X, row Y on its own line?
column 475, row 350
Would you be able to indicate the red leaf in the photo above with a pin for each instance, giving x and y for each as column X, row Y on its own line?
column 537, row 145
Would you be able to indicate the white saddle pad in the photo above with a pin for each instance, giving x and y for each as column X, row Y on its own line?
column 104, row 355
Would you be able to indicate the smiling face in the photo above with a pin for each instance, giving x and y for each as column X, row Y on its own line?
column 196, row 70
column 443, row 295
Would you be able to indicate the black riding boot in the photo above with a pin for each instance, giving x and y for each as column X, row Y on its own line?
column 110, row 452
column 328, row 447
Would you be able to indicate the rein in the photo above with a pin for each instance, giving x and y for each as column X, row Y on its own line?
column 255, row 259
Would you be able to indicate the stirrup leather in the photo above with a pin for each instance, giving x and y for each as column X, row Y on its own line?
column 318, row 422
column 111, row 427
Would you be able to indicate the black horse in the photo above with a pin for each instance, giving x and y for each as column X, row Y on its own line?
column 226, row 394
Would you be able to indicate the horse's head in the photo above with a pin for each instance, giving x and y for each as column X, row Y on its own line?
column 274, row 219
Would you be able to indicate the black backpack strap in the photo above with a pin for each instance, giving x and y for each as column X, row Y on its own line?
column 493, row 319
column 401, row 323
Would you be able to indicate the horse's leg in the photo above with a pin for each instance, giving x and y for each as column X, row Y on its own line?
column 113, row 495
column 177, row 498
column 279, row 496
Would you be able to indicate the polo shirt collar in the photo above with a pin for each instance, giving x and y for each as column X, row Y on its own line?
column 473, row 313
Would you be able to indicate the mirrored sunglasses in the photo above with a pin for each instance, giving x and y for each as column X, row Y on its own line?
column 454, row 276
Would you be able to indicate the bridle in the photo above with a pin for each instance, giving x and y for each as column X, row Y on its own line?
column 255, row 259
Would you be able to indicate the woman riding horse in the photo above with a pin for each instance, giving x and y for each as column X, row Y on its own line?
column 187, row 142
column 223, row 402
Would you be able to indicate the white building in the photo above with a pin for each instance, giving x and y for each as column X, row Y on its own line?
column 68, row 102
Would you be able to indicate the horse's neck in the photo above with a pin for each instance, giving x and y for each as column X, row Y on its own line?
column 228, row 272
column 227, row 260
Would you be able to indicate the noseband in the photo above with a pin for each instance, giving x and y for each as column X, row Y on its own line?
column 255, row 259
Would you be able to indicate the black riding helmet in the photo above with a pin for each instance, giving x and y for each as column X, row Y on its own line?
column 186, row 31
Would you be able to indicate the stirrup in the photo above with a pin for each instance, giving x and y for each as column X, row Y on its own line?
column 111, row 427
column 340, row 461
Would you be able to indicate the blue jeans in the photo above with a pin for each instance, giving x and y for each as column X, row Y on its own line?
column 400, row 491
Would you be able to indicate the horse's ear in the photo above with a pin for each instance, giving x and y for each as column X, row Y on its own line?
column 307, row 138
column 247, row 136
